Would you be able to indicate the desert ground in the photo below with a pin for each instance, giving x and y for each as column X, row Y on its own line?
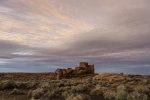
column 45, row 86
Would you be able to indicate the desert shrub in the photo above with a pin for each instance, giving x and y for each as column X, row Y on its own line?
column 66, row 88
column 69, row 82
column 109, row 95
column 79, row 97
column 90, row 83
column 16, row 92
column 121, row 93
column 114, row 85
column 37, row 93
column 142, row 89
column 66, row 94
column 131, row 82
column 93, row 82
column 97, row 91
column 45, row 85
column 27, row 85
column 21, row 85
column 8, row 85
column 88, row 80
column 52, row 95
column 44, row 93
column 79, row 88
column 137, row 96
column 145, row 81
column 61, row 83
column 55, row 94
column 104, row 83
column 29, row 94
column 139, row 93
column 72, row 83
column 31, row 85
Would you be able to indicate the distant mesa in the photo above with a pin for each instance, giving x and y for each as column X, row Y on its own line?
column 83, row 69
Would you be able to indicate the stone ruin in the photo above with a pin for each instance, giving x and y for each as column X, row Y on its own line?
column 83, row 69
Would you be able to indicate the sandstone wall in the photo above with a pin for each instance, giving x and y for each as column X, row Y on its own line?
column 83, row 69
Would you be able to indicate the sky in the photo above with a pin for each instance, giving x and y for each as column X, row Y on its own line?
column 42, row 35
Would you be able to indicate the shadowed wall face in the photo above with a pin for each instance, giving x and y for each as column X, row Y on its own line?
column 40, row 35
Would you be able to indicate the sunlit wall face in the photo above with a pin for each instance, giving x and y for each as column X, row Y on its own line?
column 41, row 35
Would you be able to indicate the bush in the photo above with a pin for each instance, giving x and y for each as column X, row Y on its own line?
column 28, row 85
column 16, row 92
column 66, row 94
column 139, row 93
column 109, row 95
column 142, row 89
column 97, row 91
column 79, row 97
column 29, row 95
column 137, row 96
column 32, row 85
column 8, row 85
column 51, row 95
column 121, row 93
column 21, row 85
column 37, row 93
column 43, row 93
column 81, row 88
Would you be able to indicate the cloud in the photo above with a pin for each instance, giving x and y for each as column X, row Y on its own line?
column 53, row 33
column 30, row 21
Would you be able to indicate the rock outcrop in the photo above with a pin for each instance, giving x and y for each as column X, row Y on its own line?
column 83, row 69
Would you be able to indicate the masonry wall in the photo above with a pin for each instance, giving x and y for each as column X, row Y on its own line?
column 83, row 69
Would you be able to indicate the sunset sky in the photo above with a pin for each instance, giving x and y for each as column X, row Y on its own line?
column 42, row 35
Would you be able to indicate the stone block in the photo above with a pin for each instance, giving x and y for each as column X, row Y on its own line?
column 83, row 64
